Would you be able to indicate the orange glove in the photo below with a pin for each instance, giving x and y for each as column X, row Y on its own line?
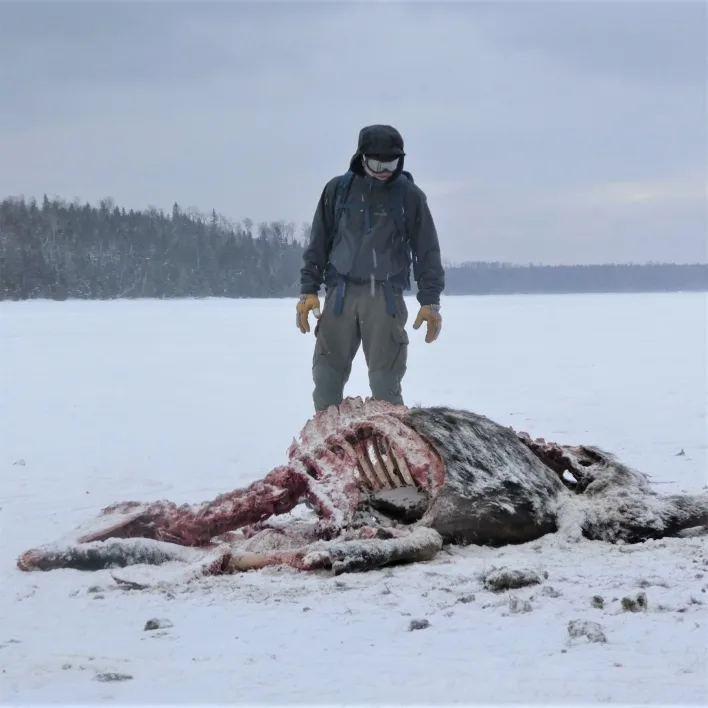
column 431, row 315
column 304, row 305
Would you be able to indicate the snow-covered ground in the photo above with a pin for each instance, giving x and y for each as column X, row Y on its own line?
column 180, row 400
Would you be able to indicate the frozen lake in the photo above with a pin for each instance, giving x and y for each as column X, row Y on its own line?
column 181, row 400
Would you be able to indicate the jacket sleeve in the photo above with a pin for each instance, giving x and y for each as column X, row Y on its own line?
column 429, row 271
column 316, row 253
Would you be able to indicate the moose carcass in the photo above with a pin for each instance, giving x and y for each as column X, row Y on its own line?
column 388, row 484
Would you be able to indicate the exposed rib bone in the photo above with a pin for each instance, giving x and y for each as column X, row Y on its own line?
column 366, row 471
column 395, row 465
column 400, row 464
column 363, row 481
column 374, row 473
column 385, row 463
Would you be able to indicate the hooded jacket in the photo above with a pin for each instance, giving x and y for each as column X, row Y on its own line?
column 365, row 244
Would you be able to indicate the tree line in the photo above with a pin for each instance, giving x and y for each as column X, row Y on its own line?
column 60, row 250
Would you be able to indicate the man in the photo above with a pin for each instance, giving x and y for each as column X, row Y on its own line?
column 370, row 225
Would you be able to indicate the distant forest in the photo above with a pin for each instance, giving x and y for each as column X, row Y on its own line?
column 60, row 250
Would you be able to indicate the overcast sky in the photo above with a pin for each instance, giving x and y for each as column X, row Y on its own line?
column 563, row 132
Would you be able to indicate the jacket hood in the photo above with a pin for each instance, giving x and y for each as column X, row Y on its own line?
column 382, row 140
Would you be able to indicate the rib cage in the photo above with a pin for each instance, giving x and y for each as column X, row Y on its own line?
column 378, row 467
column 373, row 440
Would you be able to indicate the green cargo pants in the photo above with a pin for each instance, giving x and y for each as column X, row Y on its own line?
column 384, row 339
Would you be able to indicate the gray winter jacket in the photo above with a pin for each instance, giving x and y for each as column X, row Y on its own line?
column 365, row 244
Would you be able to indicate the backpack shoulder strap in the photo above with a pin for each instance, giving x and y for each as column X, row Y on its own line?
column 399, row 203
column 341, row 193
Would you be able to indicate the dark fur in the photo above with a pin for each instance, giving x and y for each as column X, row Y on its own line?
column 497, row 491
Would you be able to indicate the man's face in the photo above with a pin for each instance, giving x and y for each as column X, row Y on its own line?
column 380, row 166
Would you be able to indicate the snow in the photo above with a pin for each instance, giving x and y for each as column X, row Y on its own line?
column 182, row 400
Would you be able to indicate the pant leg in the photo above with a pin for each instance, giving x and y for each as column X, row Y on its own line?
column 385, row 343
column 337, row 340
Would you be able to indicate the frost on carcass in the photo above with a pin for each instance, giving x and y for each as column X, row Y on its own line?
column 385, row 484
column 496, row 491
column 503, row 487
column 612, row 501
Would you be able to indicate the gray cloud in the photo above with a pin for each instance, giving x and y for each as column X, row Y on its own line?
column 559, row 132
column 657, row 42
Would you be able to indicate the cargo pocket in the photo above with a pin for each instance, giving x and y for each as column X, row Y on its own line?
column 400, row 350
